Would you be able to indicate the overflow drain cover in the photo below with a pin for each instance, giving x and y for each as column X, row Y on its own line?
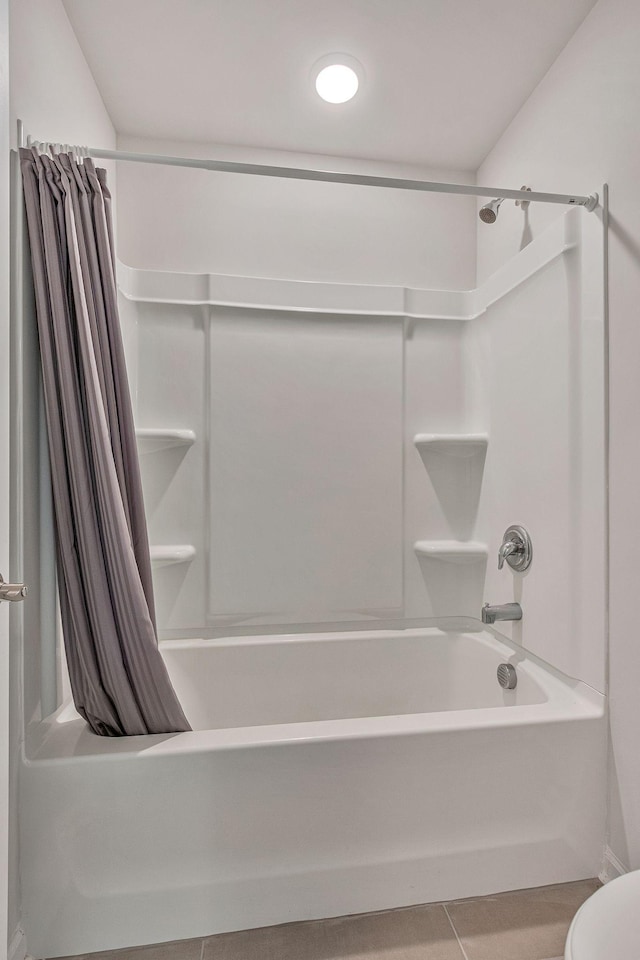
column 507, row 676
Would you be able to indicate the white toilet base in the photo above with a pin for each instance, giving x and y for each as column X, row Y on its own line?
column 607, row 925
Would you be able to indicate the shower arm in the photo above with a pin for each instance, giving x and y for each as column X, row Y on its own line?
column 326, row 176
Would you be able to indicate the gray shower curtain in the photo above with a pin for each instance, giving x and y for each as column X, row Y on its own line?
column 119, row 681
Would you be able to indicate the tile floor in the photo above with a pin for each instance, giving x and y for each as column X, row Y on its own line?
column 524, row 925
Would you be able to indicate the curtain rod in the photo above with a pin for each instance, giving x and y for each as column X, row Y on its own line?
column 326, row 176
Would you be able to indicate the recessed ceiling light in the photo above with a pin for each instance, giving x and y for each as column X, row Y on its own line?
column 337, row 77
column 337, row 83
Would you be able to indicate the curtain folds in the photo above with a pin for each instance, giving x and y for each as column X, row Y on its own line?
column 119, row 681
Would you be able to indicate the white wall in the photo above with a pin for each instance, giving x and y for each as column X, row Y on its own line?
column 52, row 88
column 198, row 221
column 53, row 92
column 5, row 521
column 580, row 129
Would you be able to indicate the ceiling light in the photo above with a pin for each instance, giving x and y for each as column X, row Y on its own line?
column 337, row 83
column 337, row 77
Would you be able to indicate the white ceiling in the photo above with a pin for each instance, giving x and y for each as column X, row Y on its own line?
column 443, row 77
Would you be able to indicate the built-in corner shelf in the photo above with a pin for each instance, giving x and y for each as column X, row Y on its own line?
column 451, row 551
column 164, row 555
column 452, row 444
column 152, row 440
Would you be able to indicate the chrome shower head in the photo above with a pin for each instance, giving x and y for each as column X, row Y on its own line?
column 489, row 212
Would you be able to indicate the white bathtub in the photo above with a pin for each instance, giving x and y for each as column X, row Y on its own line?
column 327, row 775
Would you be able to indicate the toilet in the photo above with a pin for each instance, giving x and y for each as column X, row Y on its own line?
column 607, row 925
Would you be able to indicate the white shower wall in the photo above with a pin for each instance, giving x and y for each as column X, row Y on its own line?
column 292, row 492
column 538, row 354
column 304, row 494
column 586, row 108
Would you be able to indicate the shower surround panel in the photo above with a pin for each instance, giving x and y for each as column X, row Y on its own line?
column 291, row 493
column 305, row 467
column 303, row 497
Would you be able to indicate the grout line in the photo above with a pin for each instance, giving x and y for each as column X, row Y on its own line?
column 202, row 950
column 455, row 932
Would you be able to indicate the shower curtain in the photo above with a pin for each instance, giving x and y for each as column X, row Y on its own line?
column 118, row 678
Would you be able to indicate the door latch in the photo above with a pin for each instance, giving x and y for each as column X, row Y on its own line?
column 12, row 591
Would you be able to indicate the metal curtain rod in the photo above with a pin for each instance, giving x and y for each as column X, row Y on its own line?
column 329, row 176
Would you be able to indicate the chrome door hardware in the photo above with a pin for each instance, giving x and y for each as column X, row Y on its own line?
column 516, row 549
column 12, row 591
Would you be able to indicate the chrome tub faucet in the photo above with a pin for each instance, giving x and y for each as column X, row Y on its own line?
column 501, row 611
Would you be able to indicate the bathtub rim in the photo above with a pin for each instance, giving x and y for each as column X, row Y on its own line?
column 58, row 738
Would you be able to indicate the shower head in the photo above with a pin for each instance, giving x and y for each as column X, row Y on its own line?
column 489, row 212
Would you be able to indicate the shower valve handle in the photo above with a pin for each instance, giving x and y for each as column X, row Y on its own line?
column 516, row 549
column 14, row 592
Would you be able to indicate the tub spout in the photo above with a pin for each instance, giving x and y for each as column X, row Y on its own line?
column 501, row 611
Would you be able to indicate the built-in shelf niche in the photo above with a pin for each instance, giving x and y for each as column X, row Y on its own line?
column 153, row 440
column 451, row 551
column 461, row 445
column 166, row 554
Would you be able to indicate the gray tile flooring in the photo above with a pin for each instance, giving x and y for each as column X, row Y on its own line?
column 524, row 925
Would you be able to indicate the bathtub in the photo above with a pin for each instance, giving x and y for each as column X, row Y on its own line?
column 326, row 774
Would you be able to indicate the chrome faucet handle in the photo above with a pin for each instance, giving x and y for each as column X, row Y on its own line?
column 516, row 549
column 507, row 549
